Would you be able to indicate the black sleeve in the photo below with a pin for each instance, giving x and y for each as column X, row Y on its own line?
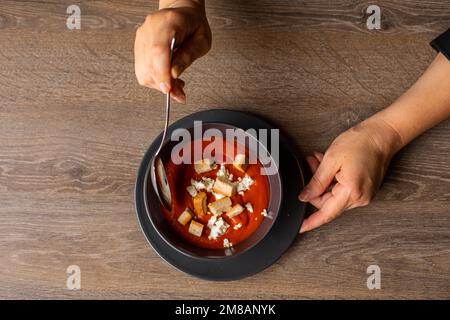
column 442, row 44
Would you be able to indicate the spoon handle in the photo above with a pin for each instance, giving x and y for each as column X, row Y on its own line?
column 166, row 124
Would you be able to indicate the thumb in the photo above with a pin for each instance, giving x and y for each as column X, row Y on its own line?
column 192, row 49
column 320, row 181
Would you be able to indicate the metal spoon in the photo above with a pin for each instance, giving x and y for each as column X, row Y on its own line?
column 158, row 173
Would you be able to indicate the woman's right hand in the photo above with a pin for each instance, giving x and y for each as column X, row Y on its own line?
column 186, row 19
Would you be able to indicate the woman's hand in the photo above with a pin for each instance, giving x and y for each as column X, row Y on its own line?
column 351, row 170
column 186, row 19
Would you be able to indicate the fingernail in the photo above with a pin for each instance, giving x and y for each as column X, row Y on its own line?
column 304, row 195
column 303, row 227
column 181, row 98
column 164, row 87
column 176, row 70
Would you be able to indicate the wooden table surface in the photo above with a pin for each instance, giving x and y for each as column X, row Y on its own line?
column 74, row 125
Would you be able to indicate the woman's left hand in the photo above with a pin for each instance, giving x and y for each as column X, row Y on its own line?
column 350, row 172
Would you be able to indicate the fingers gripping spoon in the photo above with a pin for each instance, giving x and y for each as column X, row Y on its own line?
column 157, row 171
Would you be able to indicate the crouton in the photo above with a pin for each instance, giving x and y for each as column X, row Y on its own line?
column 199, row 202
column 185, row 217
column 196, row 228
column 204, row 165
column 235, row 210
column 224, row 186
column 220, row 206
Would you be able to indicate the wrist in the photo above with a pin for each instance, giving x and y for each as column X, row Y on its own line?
column 164, row 4
column 385, row 136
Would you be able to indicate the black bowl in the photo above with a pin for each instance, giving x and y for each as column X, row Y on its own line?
column 167, row 233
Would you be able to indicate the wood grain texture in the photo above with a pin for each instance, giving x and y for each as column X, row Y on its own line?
column 74, row 126
column 399, row 16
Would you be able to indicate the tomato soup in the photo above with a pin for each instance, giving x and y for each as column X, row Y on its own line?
column 245, row 204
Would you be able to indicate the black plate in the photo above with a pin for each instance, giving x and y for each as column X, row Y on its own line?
column 268, row 250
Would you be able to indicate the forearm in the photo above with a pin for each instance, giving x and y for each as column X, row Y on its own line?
column 177, row 3
column 424, row 105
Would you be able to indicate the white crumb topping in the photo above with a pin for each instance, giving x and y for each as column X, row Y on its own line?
column 245, row 184
column 192, row 191
column 249, row 207
column 212, row 221
column 238, row 226
column 198, row 185
column 208, row 182
column 204, row 184
column 223, row 172
column 218, row 227
column 267, row 215
column 227, row 243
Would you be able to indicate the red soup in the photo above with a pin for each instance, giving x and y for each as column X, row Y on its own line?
column 217, row 205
